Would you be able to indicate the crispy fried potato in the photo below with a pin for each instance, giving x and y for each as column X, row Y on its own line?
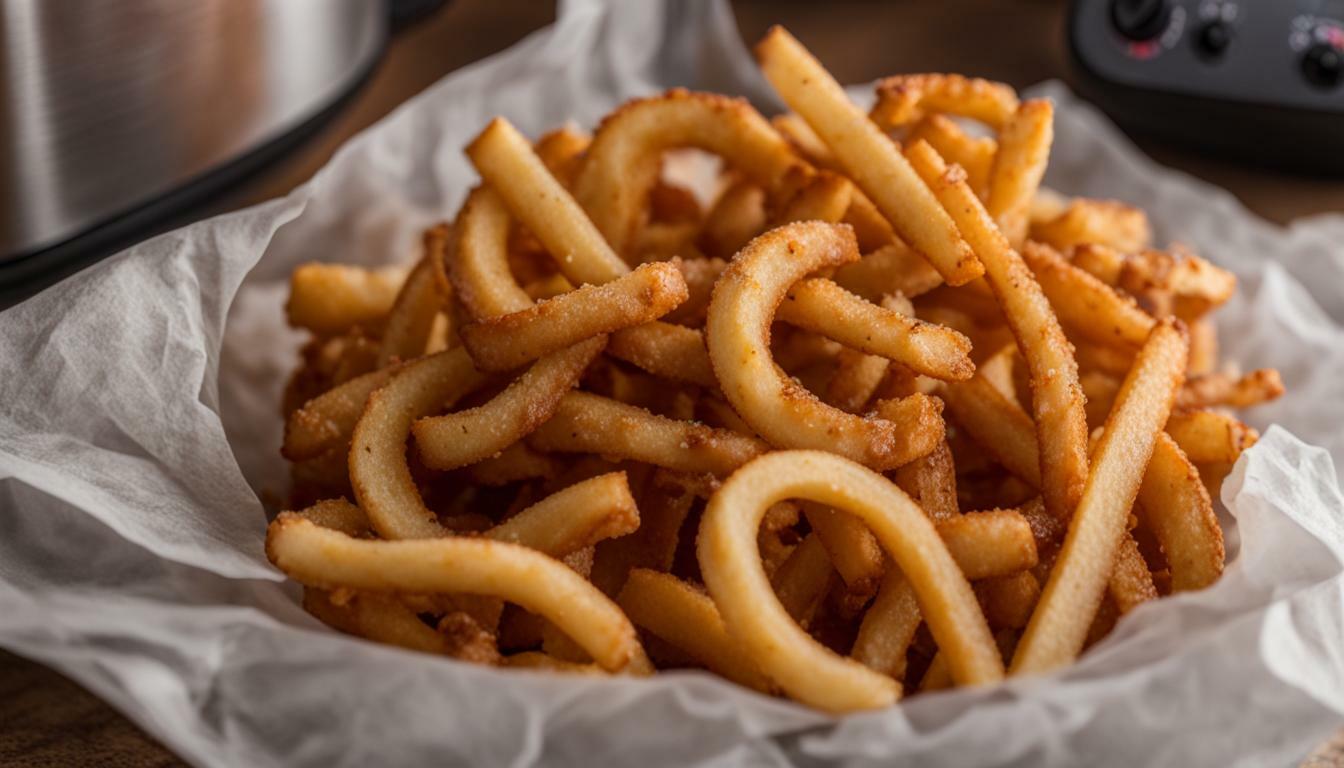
column 850, row 546
column 1176, row 282
column 1219, row 389
column 872, row 160
column 1019, row 165
column 327, row 421
column 506, row 161
column 517, row 462
column 1071, row 597
column 855, row 380
column 379, row 473
column 1057, row 398
column 1009, row 600
column 687, row 618
column 1175, row 506
column 803, row 579
column 588, row 423
column 465, row 437
column 624, row 159
column 574, row 518
column 673, row 352
column 1084, row 303
column 411, row 317
column 665, row 504
column 974, row 154
column 327, row 559
column 888, row 627
column 823, row 307
column 778, row 409
column 1095, row 224
column 892, row 269
column 508, row 341
column 1101, row 261
column 737, row 216
column 986, row 544
column 384, row 619
column 757, row 620
column 1209, row 437
column 903, row 99
column 330, row 298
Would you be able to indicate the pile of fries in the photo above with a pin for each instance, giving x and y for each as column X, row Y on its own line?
column 879, row 415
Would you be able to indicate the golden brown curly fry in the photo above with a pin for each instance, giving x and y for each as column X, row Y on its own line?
column 778, row 409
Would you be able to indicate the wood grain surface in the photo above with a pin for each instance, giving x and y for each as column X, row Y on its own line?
column 46, row 720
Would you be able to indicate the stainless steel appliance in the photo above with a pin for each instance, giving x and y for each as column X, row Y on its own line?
column 116, row 113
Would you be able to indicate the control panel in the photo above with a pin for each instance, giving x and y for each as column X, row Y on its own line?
column 1282, row 61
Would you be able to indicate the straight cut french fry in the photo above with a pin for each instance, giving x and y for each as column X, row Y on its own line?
column 1209, row 437
column 985, row 544
column 665, row 504
column 508, row 341
column 932, row 482
column 999, row 425
column 1009, row 600
column 975, row 155
column 1073, row 593
column 576, row 517
column 1216, row 389
column 1175, row 506
column 888, row 627
column 1131, row 584
column 853, row 551
column 1086, row 304
column 517, row 462
column 803, row 579
column 891, row 269
column 673, row 352
column 1019, row 165
column 589, row 423
column 871, row 159
column 330, row 298
column 464, row 437
column 823, row 307
column 506, row 161
column 857, row 377
column 1057, row 398
column 409, row 320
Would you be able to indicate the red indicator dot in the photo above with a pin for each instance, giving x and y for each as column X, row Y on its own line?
column 1143, row 50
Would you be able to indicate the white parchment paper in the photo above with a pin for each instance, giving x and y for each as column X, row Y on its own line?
column 138, row 424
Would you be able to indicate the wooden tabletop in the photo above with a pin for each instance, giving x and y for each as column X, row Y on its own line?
column 48, row 720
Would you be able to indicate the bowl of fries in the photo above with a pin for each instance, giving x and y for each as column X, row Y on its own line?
column 882, row 416
column 692, row 432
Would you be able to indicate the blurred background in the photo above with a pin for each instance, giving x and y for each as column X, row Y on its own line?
column 227, row 103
